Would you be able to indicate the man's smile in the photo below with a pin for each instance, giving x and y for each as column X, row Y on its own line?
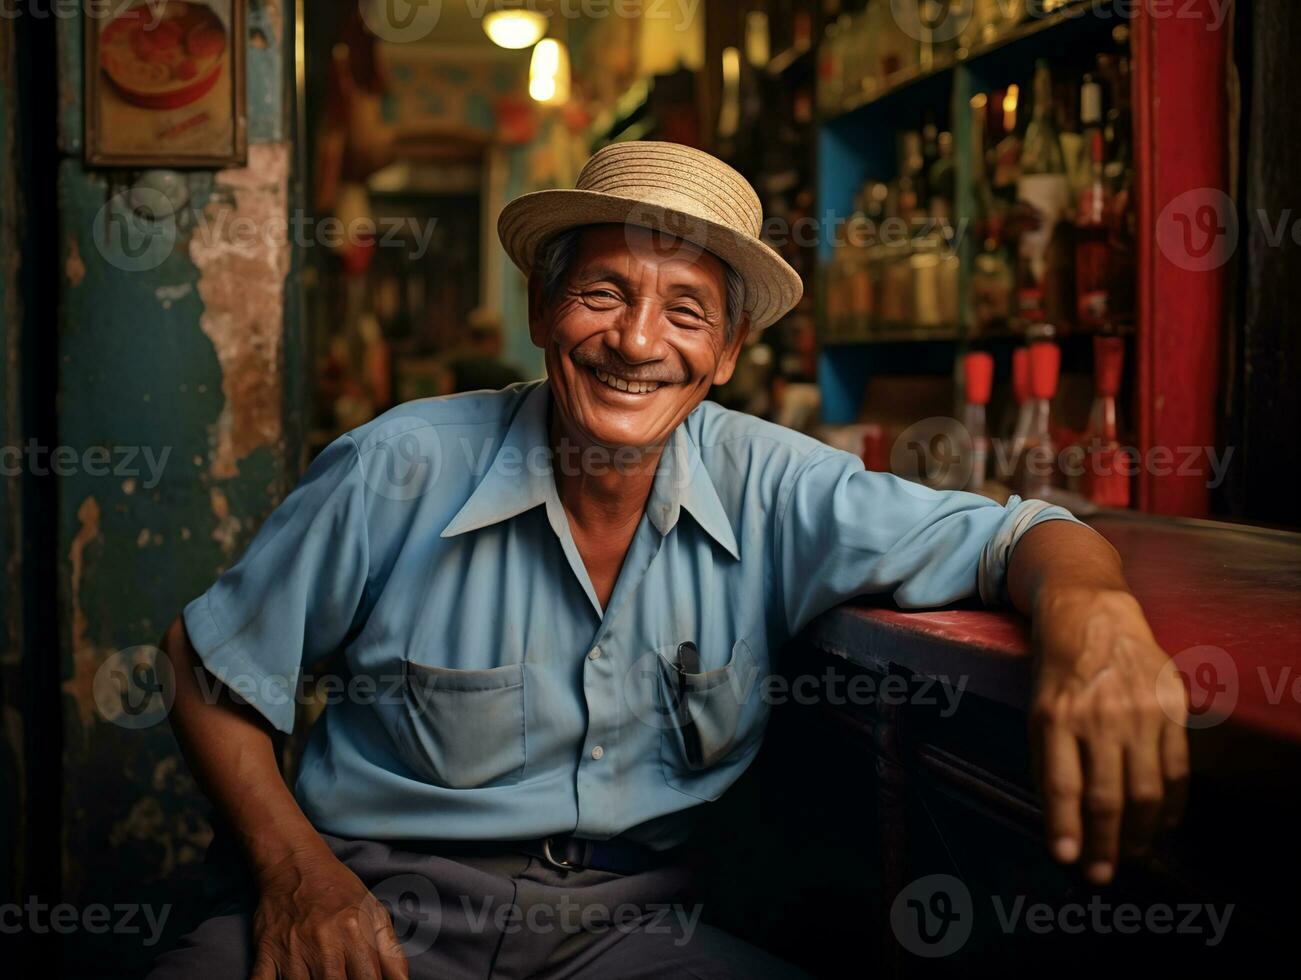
column 632, row 387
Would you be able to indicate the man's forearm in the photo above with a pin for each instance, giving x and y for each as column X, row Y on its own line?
column 229, row 749
column 1058, row 558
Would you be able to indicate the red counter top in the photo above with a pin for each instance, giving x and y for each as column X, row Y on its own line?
column 1223, row 600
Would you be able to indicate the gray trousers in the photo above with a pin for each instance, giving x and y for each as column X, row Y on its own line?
column 508, row 916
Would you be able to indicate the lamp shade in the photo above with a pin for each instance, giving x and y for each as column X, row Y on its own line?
column 514, row 28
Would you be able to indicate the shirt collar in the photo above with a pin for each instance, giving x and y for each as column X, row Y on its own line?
column 520, row 479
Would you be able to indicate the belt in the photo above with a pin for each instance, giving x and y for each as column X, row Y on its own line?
column 565, row 852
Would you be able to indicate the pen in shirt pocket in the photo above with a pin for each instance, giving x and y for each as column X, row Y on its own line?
column 688, row 663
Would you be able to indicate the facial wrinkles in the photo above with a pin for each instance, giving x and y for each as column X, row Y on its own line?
column 661, row 326
column 652, row 305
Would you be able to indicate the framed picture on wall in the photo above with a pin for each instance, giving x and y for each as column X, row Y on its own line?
column 165, row 84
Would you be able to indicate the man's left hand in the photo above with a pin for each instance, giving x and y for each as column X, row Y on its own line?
column 1108, row 739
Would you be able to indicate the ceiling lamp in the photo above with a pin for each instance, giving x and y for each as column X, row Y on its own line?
column 514, row 28
column 549, row 72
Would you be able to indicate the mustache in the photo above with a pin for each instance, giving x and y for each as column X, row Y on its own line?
column 606, row 360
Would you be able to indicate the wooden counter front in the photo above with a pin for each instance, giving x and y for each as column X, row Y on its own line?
column 951, row 789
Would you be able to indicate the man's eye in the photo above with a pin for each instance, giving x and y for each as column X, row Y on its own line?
column 687, row 310
column 603, row 294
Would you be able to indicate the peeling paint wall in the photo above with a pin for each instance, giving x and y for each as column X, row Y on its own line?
column 176, row 365
column 241, row 284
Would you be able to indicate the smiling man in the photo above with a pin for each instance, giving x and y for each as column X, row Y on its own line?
column 553, row 606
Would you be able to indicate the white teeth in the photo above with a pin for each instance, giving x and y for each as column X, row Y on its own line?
column 635, row 387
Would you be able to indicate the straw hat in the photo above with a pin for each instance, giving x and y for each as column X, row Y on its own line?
column 670, row 188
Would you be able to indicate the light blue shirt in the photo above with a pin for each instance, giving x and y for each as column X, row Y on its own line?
column 481, row 691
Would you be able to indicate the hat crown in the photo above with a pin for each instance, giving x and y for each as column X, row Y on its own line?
column 677, row 177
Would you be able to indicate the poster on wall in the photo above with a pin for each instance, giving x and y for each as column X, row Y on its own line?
column 165, row 84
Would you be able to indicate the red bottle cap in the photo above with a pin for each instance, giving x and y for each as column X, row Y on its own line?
column 979, row 371
column 1108, row 363
column 1045, row 363
column 874, row 455
column 1021, row 375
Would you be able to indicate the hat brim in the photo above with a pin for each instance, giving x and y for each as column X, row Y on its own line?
column 772, row 287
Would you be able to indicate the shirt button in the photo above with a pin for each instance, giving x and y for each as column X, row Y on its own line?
column 598, row 752
column 594, row 653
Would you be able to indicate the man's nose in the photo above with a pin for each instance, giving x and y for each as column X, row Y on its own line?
column 640, row 334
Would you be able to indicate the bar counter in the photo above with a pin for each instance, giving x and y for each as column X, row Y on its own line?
column 1224, row 601
column 937, row 782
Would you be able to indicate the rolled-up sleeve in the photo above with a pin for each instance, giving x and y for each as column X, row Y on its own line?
column 844, row 531
column 295, row 595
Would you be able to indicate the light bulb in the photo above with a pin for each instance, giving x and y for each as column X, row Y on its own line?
column 549, row 72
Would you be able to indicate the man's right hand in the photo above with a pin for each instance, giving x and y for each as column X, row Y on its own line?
column 315, row 920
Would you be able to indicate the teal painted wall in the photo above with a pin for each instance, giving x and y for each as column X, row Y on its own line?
column 178, row 361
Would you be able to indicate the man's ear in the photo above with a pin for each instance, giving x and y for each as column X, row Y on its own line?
column 727, row 363
column 539, row 322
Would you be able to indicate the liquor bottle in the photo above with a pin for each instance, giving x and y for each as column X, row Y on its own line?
column 981, row 189
column 831, row 67
column 887, row 39
column 930, row 152
column 978, row 381
column 1020, row 431
column 912, row 181
column 1122, row 209
column 1081, row 166
column 1106, row 479
column 1037, row 464
column 860, row 305
column 1119, row 128
column 1043, row 196
column 942, row 180
column 993, row 279
column 1092, row 253
column 1007, row 148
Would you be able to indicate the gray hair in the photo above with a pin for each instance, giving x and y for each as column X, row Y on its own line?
column 555, row 257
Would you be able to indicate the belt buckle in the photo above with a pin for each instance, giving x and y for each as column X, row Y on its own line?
column 555, row 861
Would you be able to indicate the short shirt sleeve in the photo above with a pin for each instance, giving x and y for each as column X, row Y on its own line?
column 846, row 532
column 297, row 593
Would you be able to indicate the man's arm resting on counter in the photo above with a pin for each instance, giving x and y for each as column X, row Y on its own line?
column 1107, row 723
column 315, row 918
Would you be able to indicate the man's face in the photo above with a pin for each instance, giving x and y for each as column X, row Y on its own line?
column 635, row 336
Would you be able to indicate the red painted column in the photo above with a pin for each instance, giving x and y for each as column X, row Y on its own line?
column 1188, row 233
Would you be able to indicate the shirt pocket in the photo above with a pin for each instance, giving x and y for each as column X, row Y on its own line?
column 463, row 728
column 713, row 722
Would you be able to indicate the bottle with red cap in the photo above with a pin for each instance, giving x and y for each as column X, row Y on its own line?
column 1106, row 474
column 978, row 375
column 1037, row 463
